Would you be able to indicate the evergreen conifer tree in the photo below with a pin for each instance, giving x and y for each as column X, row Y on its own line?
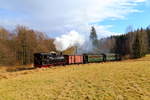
column 93, row 38
column 148, row 36
column 136, row 47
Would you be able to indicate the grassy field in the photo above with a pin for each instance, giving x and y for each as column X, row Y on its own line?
column 125, row 80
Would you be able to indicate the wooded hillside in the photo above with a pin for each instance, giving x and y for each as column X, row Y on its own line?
column 133, row 44
column 18, row 47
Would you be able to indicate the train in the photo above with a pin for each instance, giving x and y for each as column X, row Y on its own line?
column 42, row 60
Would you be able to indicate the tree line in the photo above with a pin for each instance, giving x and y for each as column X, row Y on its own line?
column 133, row 44
column 17, row 47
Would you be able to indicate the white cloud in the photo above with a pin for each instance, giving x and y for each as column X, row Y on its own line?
column 61, row 16
column 68, row 40
column 103, row 31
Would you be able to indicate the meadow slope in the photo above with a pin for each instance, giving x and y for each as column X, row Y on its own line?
column 125, row 80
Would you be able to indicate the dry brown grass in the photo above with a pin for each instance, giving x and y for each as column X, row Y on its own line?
column 125, row 80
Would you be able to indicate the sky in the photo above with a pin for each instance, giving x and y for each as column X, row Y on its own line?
column 59, row 17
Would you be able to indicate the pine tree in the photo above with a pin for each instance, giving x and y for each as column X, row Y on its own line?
column 144, row 42
column 136, row 47
column 93, row 38
column 148, row 36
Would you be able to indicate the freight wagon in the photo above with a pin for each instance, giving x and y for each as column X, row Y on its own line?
column 73, row 59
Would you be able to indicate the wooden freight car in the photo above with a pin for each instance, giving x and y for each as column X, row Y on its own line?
column 73, row 59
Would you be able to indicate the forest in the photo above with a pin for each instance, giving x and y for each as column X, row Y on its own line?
column 133, row 44
column 19, row 45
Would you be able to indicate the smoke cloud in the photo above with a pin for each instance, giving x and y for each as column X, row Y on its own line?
column 66, row 41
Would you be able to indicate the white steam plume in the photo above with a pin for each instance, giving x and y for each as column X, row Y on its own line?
column 66, row 41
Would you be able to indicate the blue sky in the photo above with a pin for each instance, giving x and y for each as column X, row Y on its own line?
column 136, row 20
column 60, row 17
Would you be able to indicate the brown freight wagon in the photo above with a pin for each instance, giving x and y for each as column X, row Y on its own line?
column 74, row 59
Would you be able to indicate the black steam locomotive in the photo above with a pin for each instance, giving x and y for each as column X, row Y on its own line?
column 53, row 59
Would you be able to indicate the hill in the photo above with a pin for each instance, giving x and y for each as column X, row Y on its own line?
column 125, row 80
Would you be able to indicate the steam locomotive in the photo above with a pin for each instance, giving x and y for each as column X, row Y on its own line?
column 53, row 59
